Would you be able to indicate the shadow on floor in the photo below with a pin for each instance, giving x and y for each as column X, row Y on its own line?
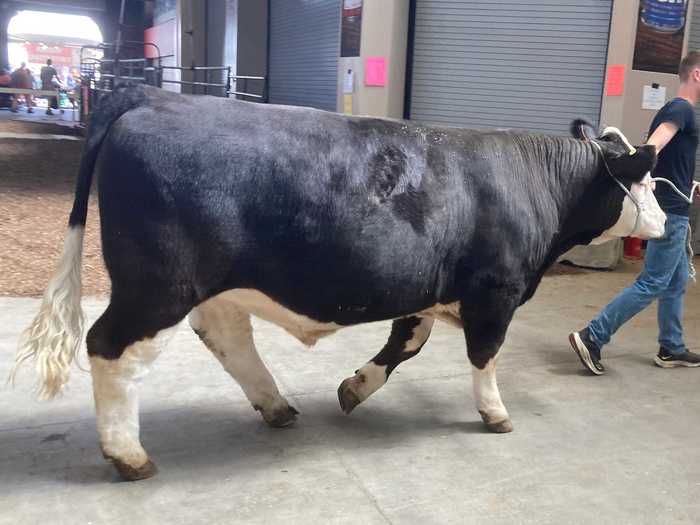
column 188, row 440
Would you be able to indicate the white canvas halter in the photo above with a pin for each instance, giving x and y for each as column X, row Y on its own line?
column 637, row 204
column 632, row 150
column 689, row 199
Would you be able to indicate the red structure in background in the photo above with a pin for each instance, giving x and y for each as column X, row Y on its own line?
column 60, row 55
column 162, row 35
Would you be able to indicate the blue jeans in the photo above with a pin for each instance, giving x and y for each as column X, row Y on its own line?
column 664, row 278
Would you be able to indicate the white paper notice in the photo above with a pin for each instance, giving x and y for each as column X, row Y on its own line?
column 348, row 82
column 653, row 98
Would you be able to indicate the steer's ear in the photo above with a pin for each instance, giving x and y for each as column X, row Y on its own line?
column 582, row 129
column 632, row 167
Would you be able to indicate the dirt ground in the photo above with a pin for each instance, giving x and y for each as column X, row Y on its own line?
column 37, row 180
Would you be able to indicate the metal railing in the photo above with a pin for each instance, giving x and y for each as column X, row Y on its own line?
column 243, row 79
column 200, row 77
column 100, row 75
column 226, row 82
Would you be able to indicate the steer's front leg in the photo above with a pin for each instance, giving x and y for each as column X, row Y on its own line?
column 408, row 335
column 485, row 328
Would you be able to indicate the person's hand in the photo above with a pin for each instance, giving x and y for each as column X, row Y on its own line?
column 697, row 190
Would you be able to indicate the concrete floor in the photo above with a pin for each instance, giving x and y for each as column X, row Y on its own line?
column 622, row 448
column 69, row 117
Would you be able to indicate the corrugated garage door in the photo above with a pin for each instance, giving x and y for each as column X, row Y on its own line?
column 531, row 64
column 304, row 50
column 694, row 45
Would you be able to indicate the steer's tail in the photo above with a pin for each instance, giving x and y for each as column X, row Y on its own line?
column 55, row 335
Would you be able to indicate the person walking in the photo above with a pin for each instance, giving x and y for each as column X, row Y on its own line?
column 22, row 78
column 50, row 82
column 5, row 82
column 674, row 132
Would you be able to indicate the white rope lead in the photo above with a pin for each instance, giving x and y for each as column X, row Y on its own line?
column 687, row 199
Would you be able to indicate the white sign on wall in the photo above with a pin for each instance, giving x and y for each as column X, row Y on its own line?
column 348, row 82
column 653, row 97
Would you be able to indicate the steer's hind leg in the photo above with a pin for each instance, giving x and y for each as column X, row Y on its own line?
column 226, row 330
column 485, row 329
column 408, row 335
column 122, row 344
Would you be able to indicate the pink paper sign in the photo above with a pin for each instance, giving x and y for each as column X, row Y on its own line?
column 375, row 71
column 615, row 83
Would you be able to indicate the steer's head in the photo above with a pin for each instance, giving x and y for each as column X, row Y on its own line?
column 620, row 201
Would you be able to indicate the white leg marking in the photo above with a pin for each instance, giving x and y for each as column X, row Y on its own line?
column 486, row 394
column 226, row 330
column 420, row 334
column 371, row 377
column 368, row 380
column 116, row 398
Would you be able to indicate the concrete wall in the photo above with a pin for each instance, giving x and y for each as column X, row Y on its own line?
column 5, row 16
column 231, row 35
column 222, row 33
column 384, row 33
column 193, row 41
column 251, row 52
column 215, row 31
column 208, row 33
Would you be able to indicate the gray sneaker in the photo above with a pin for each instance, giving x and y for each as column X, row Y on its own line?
column 666, row 359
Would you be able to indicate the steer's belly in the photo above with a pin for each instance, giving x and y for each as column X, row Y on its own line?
column 306, row 329
column 447, row 313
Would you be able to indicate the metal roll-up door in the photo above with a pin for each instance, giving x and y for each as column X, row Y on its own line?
column 694, row 45
column 530, row 64
column 304, row 50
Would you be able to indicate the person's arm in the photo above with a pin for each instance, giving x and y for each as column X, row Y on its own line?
column 662, row 135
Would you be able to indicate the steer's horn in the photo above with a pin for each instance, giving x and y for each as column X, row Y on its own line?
column 611, row 130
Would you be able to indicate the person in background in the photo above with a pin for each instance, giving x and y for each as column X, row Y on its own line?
column 50, row 81
column 674, row 132
column 22, row 79
column 4, row 76
column 5, row 80
column 71, row 87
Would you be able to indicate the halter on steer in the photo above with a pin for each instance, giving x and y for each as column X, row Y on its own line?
column 614, row 131
column 648, row 180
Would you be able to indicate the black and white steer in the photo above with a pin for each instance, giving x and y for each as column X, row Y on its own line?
column 315, row 221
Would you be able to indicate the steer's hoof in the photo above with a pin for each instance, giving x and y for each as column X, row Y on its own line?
column 499, row 427
column 281, row 418
column 129, row 473
column 502, row 427
column 347, row 396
